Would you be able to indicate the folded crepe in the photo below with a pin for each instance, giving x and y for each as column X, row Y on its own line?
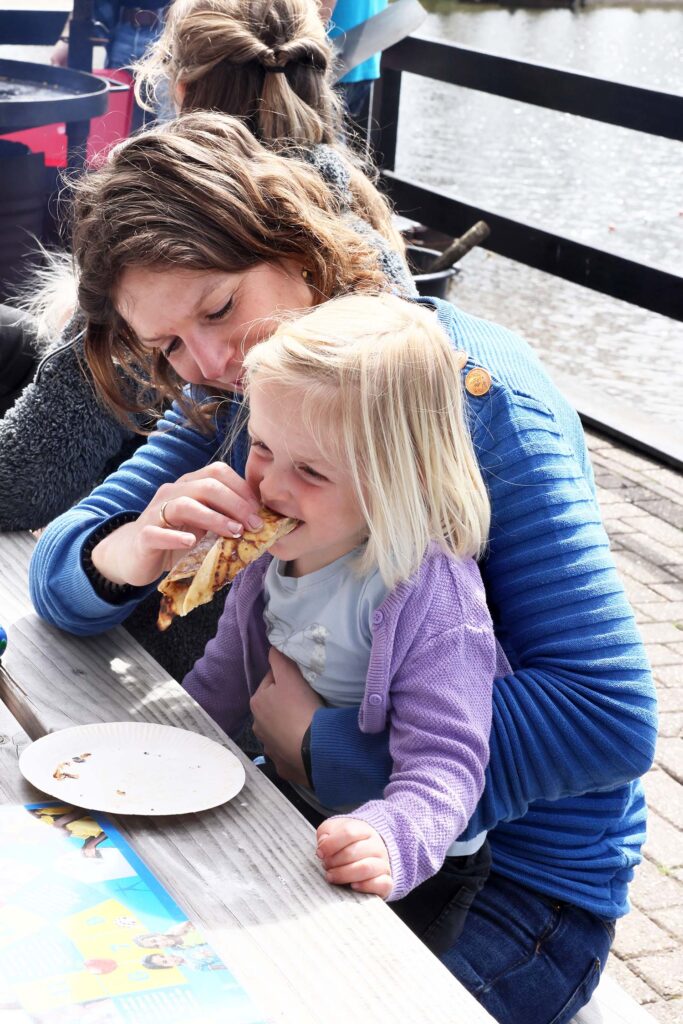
column 213, row 563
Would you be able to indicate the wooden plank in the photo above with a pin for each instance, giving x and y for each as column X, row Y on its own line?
column 612, row 1005
column 246, row 872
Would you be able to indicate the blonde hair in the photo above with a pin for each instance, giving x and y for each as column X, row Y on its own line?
column 199, row 193
column 380, row 391
column 270, row 63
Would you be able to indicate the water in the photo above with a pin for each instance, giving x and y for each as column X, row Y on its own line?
column 609, row 187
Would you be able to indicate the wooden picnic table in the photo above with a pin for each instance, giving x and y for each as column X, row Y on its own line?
column 245, row 873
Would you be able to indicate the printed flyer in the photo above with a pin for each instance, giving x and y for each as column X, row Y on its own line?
column 89, row 936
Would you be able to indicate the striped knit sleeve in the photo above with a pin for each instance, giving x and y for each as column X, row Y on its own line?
column 60, row 590
column 577, row 713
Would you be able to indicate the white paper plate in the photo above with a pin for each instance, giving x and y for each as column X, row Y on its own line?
column 134, row 768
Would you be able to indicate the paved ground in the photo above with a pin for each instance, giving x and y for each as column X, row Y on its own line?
column 642, row 504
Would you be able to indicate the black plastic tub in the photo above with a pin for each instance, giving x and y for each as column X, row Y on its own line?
column 437, row 284
column 22, row 204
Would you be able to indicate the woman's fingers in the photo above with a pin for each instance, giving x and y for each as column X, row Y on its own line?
column 190, row 513
column 214, row 498
column 161, row 538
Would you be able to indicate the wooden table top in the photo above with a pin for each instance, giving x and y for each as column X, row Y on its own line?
column 245, row 873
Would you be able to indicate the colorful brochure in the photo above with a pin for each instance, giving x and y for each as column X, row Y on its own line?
column 89, row 936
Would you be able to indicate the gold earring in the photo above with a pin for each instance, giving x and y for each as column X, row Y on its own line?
column 305, row 273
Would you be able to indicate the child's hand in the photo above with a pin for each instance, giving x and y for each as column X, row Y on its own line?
column 353, row 853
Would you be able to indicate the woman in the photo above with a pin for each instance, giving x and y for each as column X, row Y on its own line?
column 269, row 62
column 182, row 268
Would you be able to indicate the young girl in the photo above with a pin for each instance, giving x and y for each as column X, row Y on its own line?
column 358, row 432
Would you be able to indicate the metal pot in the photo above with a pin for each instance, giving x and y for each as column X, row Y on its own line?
column 419, row 259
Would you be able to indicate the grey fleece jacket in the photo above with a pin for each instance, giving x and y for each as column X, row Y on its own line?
column 59, row 440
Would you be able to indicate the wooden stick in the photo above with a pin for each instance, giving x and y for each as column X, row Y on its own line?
column 457, row 249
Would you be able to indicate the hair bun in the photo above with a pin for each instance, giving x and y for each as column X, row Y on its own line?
column 273, row 59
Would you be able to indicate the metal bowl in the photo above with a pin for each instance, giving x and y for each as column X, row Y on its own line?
column 38, row 94
column 419, row 259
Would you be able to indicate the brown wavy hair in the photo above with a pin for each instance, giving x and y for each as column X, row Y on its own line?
column 270, row 63
column 199, row 193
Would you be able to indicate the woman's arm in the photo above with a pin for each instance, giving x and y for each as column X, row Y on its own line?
column 61, row 591
column 578, row 711
column 55, row 441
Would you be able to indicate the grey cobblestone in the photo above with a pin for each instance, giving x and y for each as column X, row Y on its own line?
column 660, row 654
column 671, row 698
column 630, row 982
column 663, row 972
column 664, row 794
column 638, row 935
column 664, row 508
column 647, row 547
column 642, row 506
column 667, row 1011
column 669, row 755
column 624, row 510
column 654, row 889
column 641, row 569
column 639, row 593
column 663, row 843
column 671, row 919
column 668, row 611
column 671, row 724
column 670, row 676
column 660, row 632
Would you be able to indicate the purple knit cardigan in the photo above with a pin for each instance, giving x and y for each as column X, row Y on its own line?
column 430, row 676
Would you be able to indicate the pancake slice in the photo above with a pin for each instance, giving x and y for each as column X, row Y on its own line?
column 213, row 563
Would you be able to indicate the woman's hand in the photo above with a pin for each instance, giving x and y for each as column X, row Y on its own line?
column 283, row 707
column 212, row 498
column 353, row 853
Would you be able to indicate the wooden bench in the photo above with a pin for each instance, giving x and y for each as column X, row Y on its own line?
column 244, row 873
column 611, row 1005
column 50, row 680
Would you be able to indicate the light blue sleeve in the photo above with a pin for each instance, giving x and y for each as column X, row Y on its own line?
column 61, row 592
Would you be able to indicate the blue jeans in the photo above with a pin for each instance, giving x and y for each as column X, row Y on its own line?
column 526, row 957
column 129, row 43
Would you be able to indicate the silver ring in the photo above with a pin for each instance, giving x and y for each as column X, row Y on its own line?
column 162, row 515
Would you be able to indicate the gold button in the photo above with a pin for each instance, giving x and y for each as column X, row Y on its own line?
column 460, row 358
column 478, row 381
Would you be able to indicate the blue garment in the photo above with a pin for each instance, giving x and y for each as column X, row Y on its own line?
column 126, row 42
column 526, row 958
column 577, row 714
column 347, row 14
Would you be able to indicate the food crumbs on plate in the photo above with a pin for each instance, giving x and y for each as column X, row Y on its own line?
column 80, row 758
column 120, row 792
column 60, row 771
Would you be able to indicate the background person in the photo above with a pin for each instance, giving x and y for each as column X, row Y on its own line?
column 574, row 721
column 132, row 27
column 270, row 63
column 356, row 86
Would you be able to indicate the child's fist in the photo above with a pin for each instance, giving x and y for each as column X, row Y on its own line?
column 353, row 853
